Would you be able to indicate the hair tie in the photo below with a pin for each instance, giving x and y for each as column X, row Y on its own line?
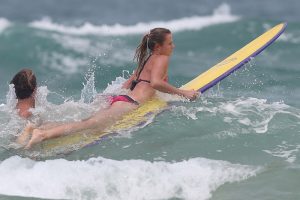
column 148, row 37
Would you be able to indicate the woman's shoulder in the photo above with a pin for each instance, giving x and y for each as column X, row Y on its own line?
column 160, row 59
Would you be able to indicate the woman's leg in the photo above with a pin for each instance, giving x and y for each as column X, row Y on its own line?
column 98, row 122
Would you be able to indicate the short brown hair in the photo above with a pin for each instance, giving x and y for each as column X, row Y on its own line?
column 25, row 83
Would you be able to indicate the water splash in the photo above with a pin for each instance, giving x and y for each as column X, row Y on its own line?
column 88, row 93
column 11, row 98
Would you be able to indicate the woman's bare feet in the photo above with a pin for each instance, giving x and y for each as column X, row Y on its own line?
column 25, row 135
column 37, row 136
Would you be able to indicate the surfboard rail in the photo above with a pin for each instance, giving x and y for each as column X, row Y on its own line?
column 235, row 61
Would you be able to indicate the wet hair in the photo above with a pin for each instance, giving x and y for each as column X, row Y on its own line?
column 155, row 36
column 25, row 83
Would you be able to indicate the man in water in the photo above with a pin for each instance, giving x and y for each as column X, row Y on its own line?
column 25, row 88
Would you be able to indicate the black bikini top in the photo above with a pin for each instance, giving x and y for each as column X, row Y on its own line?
column 137, row 80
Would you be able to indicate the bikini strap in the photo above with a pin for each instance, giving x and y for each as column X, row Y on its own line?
column 142, row 68
column 137, row 80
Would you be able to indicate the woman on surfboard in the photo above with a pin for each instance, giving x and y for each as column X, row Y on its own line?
column 152, row 55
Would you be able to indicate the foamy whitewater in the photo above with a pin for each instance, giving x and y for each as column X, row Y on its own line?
column 239, row 140
column 109, row 179
column 220, row 15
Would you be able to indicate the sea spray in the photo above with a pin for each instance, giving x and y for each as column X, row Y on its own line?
column 88, row 93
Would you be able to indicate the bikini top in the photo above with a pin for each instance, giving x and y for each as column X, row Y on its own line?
column 137, row 80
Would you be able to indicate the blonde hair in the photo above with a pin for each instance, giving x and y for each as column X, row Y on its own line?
column 155, row 36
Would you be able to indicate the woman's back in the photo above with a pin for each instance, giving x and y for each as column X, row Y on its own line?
column 143, row 90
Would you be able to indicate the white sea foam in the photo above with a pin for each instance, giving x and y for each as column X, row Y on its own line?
column 101, row 178
column 190, row 113
column 290, row 37
column 4, row 24
column 243, row 110
column 106, row 52
column 80, row 45
column 256, row 114
column 220, row 15
column 65, row 63
column 286, row 151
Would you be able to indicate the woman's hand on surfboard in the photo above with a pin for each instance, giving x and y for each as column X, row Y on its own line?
column 190, row 94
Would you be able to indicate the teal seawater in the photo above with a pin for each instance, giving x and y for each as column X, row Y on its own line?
column 239, row 140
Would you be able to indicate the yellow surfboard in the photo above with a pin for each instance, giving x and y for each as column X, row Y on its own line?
column 201, row 83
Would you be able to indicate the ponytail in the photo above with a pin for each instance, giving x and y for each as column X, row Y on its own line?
column 146, row 46
column 141, row 52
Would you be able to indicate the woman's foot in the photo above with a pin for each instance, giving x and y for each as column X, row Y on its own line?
column 25, row 135
column 37, row 136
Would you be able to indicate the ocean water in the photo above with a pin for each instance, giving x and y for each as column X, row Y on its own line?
column 239, row 140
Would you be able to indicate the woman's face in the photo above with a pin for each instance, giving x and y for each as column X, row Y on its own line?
column 167, row 47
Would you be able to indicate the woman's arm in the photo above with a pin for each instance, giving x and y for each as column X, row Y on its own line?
column 158, row 73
